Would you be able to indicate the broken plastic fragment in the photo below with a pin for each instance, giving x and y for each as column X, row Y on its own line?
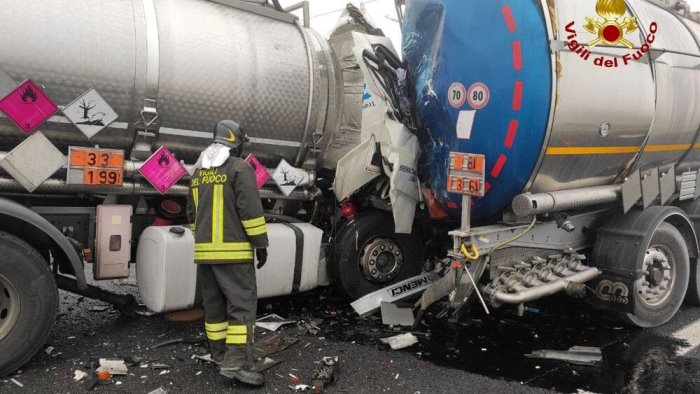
column 579, row 355
column 272, row 322
column 400, row 341
column 113, row 366
column 79, row 375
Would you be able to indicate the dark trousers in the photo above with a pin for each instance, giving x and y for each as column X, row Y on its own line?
column 229, row 294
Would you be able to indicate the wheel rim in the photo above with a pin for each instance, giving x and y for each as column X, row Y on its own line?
column 9, row 307
column 381, row 260
column 659, row 275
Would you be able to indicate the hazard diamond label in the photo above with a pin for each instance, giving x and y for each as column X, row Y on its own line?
column 90, row 113
column 287, row 177
column 162, row 169
column 28, row 106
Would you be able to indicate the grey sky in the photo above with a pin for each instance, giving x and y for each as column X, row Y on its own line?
column 325, row 13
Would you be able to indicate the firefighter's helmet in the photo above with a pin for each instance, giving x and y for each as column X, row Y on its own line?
column 229, row 133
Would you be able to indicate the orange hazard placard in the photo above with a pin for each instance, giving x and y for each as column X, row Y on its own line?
column 467, row 162
column 94, row 166
column 96, row 158
column 99, row 176
column 467, row 174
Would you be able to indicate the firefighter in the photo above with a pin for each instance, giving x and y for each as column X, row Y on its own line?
column 229, row 225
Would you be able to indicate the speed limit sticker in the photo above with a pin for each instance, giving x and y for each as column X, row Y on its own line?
column 478, row 95
column 457, row 95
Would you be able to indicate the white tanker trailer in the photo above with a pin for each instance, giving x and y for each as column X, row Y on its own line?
column 580, row 154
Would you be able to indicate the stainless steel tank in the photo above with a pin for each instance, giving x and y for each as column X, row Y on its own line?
column 191, row 63
column 550, row 108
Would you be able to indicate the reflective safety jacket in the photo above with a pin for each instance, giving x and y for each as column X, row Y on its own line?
column 224, row 205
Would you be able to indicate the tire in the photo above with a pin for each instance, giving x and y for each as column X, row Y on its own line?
column 655, row 310
column 359, row 239
column 692, row 297
column 29, row 302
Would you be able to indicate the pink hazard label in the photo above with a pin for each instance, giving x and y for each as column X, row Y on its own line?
column 27, row 106
column 162, row 169
column 261, row 174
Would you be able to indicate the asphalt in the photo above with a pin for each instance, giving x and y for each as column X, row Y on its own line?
column 482, row 353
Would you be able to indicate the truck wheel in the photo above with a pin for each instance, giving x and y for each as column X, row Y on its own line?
column 692, row 297
column 660, row 291
column 370, row 256
column 28, row 302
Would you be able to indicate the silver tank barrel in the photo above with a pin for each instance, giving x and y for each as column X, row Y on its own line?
column 527, row 204
column 192, row 62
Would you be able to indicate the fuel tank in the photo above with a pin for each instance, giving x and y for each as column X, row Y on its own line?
column 186, row 63
column 557, row 94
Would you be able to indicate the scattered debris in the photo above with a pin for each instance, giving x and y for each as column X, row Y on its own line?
column 311, row 326
column 324, row 375
column 264, row 364
column 272, row 322
column 205, row 358
column 392, row 315
column 49, row 350
column 273, row 344
column 99, row 308
column 198, row 373
column 143, row 311
column 295, row 378
column 167, row 343
column 159, row 366
column 15, row 381
column 371, row 302
column 113, row 366
column 579, row 355
column 79, row 375
column 118, row 383
column 159, row 390
column 300, row 388
column 163, row 372
column 400, row 341
column 103, row 375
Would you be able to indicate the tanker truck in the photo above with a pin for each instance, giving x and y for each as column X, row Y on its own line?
column 509, row 156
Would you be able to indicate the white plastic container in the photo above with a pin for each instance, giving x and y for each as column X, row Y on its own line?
column 276, row 277
column 167, row 275
column 165, row 269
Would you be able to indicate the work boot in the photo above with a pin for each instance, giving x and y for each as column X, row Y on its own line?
column 243, row 375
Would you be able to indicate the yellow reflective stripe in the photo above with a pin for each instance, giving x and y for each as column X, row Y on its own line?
column 236, row 339
column 256, row 230
column 206, row 256
column 226, row 246
column 238, row 329
column 255, row 222
column 216, row 326
column 216, row 336
column 217, row 215
column 195, row 198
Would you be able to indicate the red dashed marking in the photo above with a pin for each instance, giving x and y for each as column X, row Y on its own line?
column 499, row 166
column 517, row 55
column 512, row 132
column 508, row 16
column 518, row 95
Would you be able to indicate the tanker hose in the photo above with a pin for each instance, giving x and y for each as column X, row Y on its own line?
column 517, row 237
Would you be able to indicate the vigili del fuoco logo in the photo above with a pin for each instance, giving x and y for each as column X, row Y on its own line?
column 610, row 28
